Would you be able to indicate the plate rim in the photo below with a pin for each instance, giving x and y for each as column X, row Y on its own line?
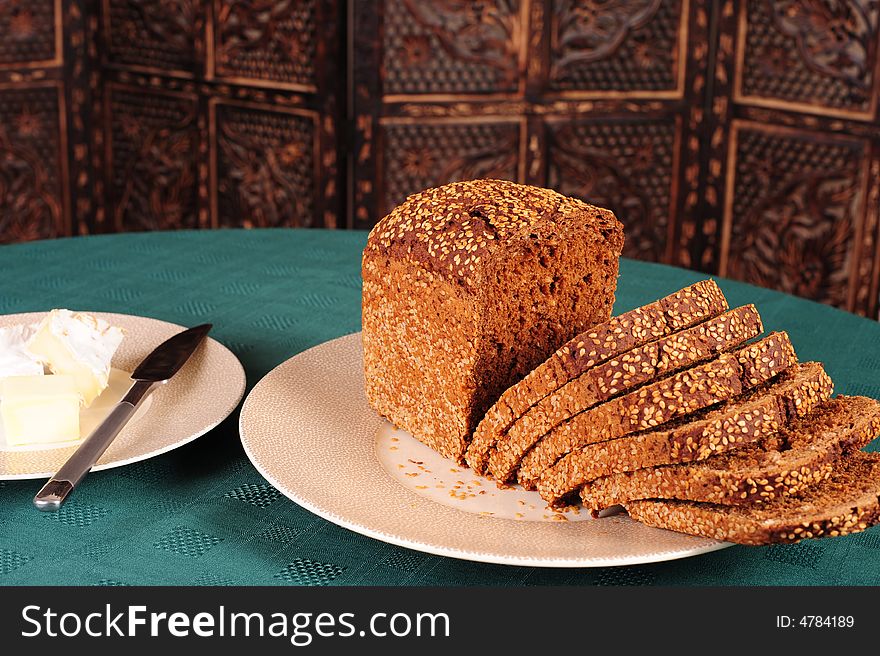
column 239, row 394
column 426, row 547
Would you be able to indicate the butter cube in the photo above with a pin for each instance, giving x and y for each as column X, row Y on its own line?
column 78, row 345
column 39, row 409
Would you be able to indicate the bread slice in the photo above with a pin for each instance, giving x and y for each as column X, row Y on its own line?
column 785, row 464
column 649, row 406
column 625, row 372
column 740, row 421
column 848, row 502
column 603, row 342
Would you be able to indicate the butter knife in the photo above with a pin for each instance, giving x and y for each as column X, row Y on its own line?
column 160, row 365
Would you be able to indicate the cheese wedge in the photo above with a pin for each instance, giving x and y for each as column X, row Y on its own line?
column 78, row 345
column 39, row 409
column 15, row 359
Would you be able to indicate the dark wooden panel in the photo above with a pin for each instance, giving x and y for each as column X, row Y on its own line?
column 33, row 163
column 816, row 56
column 265, row 166
column 794, row 139
column 423, row 154
column 157, row 35
column 30, row 32
column 271, row 41
column 794, row 212
column 634, row 47
column 451, row 47
column 152, row 159
column 626, row 165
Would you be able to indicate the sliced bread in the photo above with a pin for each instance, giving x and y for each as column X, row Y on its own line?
column 629, row 370
column 744, row 420
column 649, row 406
column 605, row 341
column 848, row 502
column 787, row 463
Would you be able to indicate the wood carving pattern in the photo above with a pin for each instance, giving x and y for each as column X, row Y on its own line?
column 449, row 46
column 154, row 161
column 265, row 169
column 158, row 34
column 266, row 39
column 623, row 45
column 626, row 166
column 428, row 155
column 812, row 51
column 796, row 204
column 30, row 189
column 28, row 31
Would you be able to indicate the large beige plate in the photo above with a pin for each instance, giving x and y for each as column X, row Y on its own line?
column 203, row 393
column 307, row 428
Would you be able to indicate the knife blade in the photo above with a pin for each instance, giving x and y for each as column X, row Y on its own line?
column 154, row 370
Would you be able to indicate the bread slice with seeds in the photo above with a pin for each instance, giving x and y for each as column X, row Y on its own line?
column 785, row 464
column 737, row 422
column 683, row 309
column 848, row 502
column 649, row 406
column 626, row 372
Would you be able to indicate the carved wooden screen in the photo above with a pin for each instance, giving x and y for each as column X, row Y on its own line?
column 795, row 148
column 218, row 113
column 40, row 146
column 738, row 138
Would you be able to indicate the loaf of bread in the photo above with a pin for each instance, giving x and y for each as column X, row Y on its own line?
column 487, row 335
column 467, row 288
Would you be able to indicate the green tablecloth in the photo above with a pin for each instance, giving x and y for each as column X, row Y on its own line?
column 203, row 515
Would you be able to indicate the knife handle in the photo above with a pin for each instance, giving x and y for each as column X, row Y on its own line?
column 56, row 490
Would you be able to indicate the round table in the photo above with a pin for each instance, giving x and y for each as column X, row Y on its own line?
column 203, row 515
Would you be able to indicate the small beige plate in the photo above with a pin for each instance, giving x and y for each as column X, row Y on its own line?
column 309, row 431
column 201, row 395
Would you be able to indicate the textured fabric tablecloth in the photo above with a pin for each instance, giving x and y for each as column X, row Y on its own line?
column 203, row 515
